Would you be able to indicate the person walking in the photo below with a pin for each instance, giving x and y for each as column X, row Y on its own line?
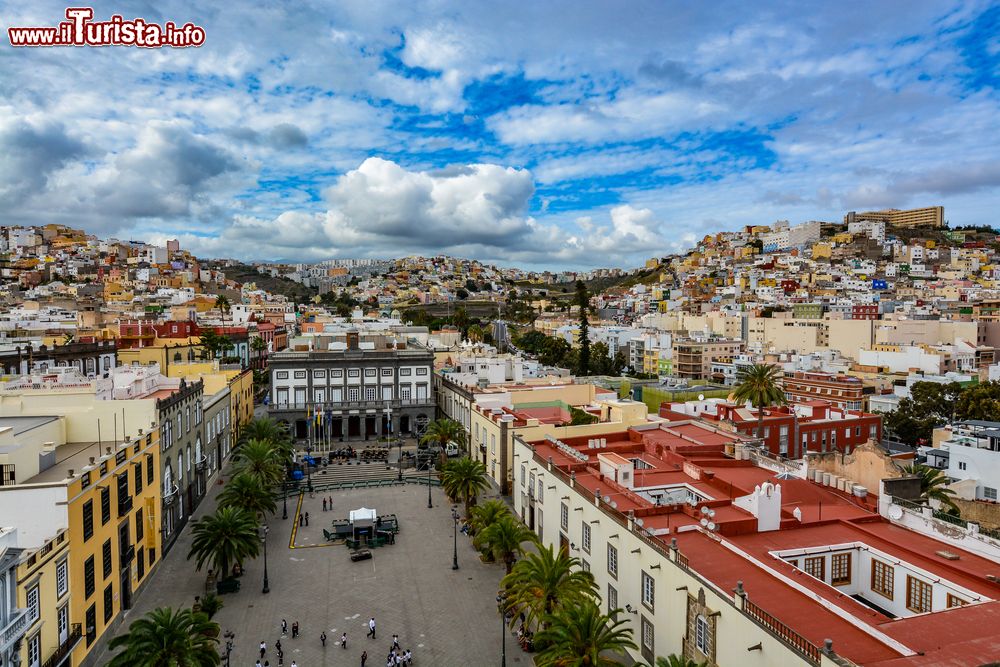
column 258, row 664
column 343, row 640
column 322, row 638
column 324, row 504
column 277, row 646
column 395, row 642
column 284, row 627
column 371, row 628
column 263, row 649
column 364, row 658
column 307, row 518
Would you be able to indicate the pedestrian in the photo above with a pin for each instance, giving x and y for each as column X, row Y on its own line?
column 281, row 659
column 293, row 664
column 371, row 628
column 409, row 657
column 277, row 646
column 295, row 629
column 284, row 627
column 343, row 640
column 263, row 649
column 307, row 518
column 364, row 658
column 324, row 504
column 322, row 639
column 395, row 642
column 258, row 664
column 300, row 520
column 329, row 502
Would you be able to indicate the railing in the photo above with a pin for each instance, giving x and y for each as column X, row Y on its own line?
column 792, row 639
column 201, row 464
column 170, row 497
column 66, row 647
column 18, row 624
column 124, row 506
column 340, row 405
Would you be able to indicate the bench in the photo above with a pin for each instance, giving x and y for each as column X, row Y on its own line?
column 360, row 554
column 228, row 586
column 330, row 537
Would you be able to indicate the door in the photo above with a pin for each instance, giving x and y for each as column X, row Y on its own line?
column 62, row 622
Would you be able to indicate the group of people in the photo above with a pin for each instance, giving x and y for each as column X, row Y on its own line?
column 397, row 657
column 277, row 647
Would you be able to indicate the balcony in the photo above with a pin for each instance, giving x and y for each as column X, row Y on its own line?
column 201, row 465
column 65, row 649
column 126, row 555
column 170, row 498
column 378, row 404
column 15, row 629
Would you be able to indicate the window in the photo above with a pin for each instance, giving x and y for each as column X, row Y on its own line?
column 840, row 569
column 954, row 601
column 138, row 525
column 62, row 578
column 32, row 604
column 353, row 394
column 109, row 603
column 612, row 599
column 646, row 635
column 701, row 635
column 524, row 470
column 90, row 624
column 564, row 516
column 816, row 567
column 88, row 520
column 585, row 536
column 613, row 561
column 882, row 578
column 387, row 372
column 354, row 373
column 648, row 590
column 584, row 565
column 989, row 493
column 918, row 595
column 370, row 394
column 300, row 375
column 337, row 373
column 34, row 651
column 541, row 490
column 405, row 371
column 89, row 583
column 540, row 525
column 138, row 478
column 319, row 375
column 149, row 470
column 370, row 372
column 961, row 465
column 106, row 504
column 422, row 371
column 106, row 563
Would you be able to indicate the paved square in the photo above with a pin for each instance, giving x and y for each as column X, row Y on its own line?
column 448, row 618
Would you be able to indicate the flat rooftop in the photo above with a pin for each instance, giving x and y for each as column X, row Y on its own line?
column 22, row 425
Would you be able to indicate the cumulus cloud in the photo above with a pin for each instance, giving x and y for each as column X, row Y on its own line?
column 30, row 152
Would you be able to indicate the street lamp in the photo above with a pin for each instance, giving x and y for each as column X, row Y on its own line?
column 454, row 558
column 429, row 504
column 263, row 540
column 503, row 633
column 309, row 470
column 284, row 500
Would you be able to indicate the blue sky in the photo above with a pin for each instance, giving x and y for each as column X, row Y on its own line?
column 551, row 135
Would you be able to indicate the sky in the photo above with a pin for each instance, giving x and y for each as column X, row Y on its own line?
column 546, row 135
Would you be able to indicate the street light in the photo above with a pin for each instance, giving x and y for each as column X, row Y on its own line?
column 263, row 540
column 309, row 470
column 503, row 633
column 284, row 500
column 429, row 504
column 454, row 559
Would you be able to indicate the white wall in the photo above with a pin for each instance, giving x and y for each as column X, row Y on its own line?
column 48, row 512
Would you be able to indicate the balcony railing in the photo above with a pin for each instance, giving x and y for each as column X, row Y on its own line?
column 344, row 405
column 792, row 639
column 170, row 497
column 201, row 464
column 124, row 506
column 15, row 628
column 66, row 647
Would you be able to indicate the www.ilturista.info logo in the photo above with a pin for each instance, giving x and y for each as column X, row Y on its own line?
column 81, row 30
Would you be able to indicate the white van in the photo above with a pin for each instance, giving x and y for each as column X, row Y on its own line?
column 451, row 450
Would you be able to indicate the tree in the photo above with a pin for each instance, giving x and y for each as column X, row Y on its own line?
column 475, row 333
column 542, row 581
column 504, row 539
column 168, row 638
column 759, row 384
column 980, row 401
column 246, row 492
column 579, row 417
column 532, row 341
column 932, row 485
column 222, row 303
column 465, row 479
column 442, row 431
column 579, row 635
column 260, row 347
column 228, row 536
column 675, row 660
column 461, row 318
column 930, row 404
column 267, row 430
column 213, row 344
column 554, row 352
column 259, row 460
column 210, row 605
column 482, row 517
column 461, row 293
column 583, row 301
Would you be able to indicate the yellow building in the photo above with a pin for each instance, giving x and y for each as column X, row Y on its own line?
column 92, row 537
column 932, row 216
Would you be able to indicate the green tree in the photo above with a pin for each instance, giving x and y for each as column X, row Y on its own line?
column 168, row 638
column 442, row 431
column 579, row 417
column 222, row 303
column 246, row 492
column 583, row 301
column 532, row 341
column 980, row 401
column 579, row 635
column 267, row 430
column 482, row 517
column 260, row 347
column 505, row 539
column 554, row 352
column 542, row 581
column 228, row 536
column 930, row 404
column 675, row 660
column 210, row 605
column 933, row 485
column 760, row 385
column 600, row 359
column 475, row 333
column 465, row 479
column 259, row 460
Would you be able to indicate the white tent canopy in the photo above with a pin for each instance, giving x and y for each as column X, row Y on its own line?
column 363, row 513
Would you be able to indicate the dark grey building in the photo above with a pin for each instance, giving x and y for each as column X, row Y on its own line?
column 358, row 384
column 91, row 359
column 182, row 457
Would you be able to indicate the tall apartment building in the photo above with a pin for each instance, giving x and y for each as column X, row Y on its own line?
column 358, row 384
column 693, row 357
column 842, row 391
column 932, row 216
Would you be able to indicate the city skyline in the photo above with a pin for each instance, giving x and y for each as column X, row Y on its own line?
column 554, row 137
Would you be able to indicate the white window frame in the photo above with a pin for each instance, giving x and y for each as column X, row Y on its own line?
column 62, row 578
column 585, row 536
column 701, row 633
column 613, row 561
column 648, row 590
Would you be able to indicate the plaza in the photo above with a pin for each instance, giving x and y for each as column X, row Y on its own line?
column 446, row 617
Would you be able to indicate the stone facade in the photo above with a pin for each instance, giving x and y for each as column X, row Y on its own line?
column 181, row 438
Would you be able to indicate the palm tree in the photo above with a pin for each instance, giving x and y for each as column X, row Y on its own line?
column 268, row 430
column 443, row 431
column 168, row 638
column 258, row 345
column 482, row 516
column 222, row 303
column 674, row 660
column 465, row 479
column 759, row 384
column 579, row 635
column 932, row 485
column 259, row 459
column 226, row 537
column 504, row 539
column 542, row 581
column 248, row 493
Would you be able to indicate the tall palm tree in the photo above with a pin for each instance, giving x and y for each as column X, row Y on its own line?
column 260, row 460
column 932, row 485
column 168, row 638
column 268, row 430
column 248, row 493
column 579, row 635
column 226, row 537
column 465, row 479
column 259, row 346
column 760, row 385
column 222, row 303
column 542, row 581
column 442, row 431
column 482, row 516
column 504, row 539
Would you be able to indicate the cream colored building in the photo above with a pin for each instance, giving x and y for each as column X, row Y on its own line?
column 932, row 216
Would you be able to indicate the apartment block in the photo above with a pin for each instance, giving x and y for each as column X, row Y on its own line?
column 931, row 216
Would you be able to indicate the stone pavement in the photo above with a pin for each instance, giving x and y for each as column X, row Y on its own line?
column 448, row 618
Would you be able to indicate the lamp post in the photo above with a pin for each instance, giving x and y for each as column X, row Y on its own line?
column 284, row 500
column 503, row 633
column 429, row 504
column 309, row 474
column 454, row 558
column 263, row 540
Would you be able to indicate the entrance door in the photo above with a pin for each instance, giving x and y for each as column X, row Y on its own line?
column 125, row 564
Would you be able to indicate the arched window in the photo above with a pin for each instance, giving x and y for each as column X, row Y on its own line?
column 180, row 467
column 189, row 458
column 197, row 448
column 168, row 479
